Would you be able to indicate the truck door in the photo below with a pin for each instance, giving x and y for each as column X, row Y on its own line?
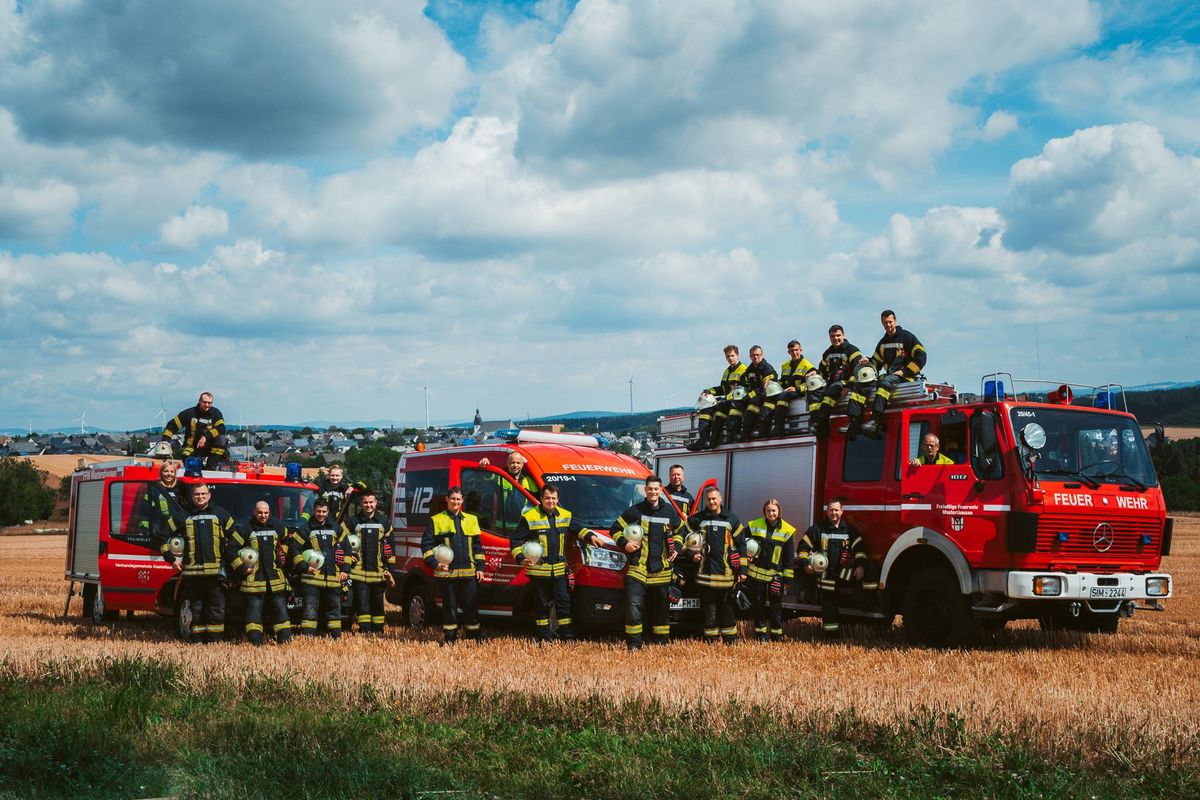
column 490, row 494
column 862, row 471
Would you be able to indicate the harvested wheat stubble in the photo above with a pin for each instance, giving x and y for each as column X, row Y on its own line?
column 1139, row 688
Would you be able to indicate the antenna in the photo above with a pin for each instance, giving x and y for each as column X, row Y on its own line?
column 630, row 394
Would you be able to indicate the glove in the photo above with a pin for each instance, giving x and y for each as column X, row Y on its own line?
column 776, row 587
column 571, row 581
column 670, row 548
column 844, row 558
column 735, row 559
column 674, row 595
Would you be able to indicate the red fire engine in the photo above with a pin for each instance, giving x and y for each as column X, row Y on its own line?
column 1051, row 509
column 108, row 543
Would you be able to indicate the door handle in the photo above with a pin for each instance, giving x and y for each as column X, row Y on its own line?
column 913, row 496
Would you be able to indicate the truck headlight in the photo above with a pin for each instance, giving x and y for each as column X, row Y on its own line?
column 1048, row 585
column 1158, row 587
column 604, row 559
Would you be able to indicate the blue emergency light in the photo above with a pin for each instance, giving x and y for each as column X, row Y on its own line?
column 993, row 390
column 193, row 467
column 291, row 473
column 1102, row 400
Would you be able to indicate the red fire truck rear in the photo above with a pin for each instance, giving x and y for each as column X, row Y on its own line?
column 595, row 484
column 1050, row 511
column 108, row 544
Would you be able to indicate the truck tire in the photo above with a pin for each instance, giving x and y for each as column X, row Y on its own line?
column 94, row 607
column 935, row 612
column 182, row 619
column 420, row 612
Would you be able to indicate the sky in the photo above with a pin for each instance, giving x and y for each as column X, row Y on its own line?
column 314, row 209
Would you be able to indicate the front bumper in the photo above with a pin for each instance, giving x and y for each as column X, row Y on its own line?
column 1088, row 586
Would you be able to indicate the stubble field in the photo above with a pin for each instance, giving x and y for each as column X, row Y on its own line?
column 1131, row 699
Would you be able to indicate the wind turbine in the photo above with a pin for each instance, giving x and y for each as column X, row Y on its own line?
column 428, row 392
column 630, row 394
column 160, row 418
column 82, row 421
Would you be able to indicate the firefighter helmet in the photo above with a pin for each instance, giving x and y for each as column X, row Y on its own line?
column 314, row 558
column 532, row 552
column 694, row 542
column 752, row 548
column 705, row 400
column 738, row 393
column 162, row 450
column 354, row 542
column 443, row 554
column 813, row 381
column 818, row 561
column 634, row 534
column 773, row 389
column 865, row 373
column 175, row 543
column 249, row 557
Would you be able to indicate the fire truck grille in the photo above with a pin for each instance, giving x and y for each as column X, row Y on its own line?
column 1086, row 535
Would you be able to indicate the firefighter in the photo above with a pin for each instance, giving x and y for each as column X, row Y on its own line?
column 334, row 489
column 512, row 501
column 677, row 491
column 370, row 567
column 263, row 582
column 650, row 574
column 930, row 455
column 552, row 528
column 760, row 409
column 837, row 366
column 205, row 531
column 842, row 545
column 898, row 358
column 321, row 586
column 459, row 576
column 721, row 562
column 723, row 421
column 771, row 569
column 163, row 507
column 203, row 430
column 791, row 376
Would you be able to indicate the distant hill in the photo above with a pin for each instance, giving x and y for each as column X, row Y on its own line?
column 1179, row 407
column 619, row 424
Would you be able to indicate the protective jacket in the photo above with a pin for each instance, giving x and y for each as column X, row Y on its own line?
column 553, row 532
column 374, row 546
column 326, row 538
column 731, row 378
column 838, row 362
column 163, row 513
column 205, row 533
column 842, row 544
column 196, row 423
column 792, row 373
column 940, row 459
column 460, row 532
column 901, row 350
column 723, row 534
column 268, row 539
column 650, row 564
column 334, row 494
column 776, row 550
column 683, row 498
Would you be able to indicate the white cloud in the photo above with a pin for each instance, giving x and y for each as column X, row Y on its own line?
column 999, row 124
column 194, row 225
column 43, row 211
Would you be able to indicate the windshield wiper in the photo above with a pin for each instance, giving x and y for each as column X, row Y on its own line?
column 1125, row 476
column 1087, row 480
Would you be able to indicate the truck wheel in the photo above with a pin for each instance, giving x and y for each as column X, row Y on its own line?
column 935, row 612
column 420, row 612
column 94, row 607
column 182, row 619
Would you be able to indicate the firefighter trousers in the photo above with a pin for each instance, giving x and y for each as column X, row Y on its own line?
column 549, row 592
column 716, row 609
column 886, row 386
column 821, row 402
column 830, row 614
column 281, row 624
column 646, row 603
column 322, row 603
column 460, row 593
column 368, row 606
column 768, row 608
column 205, row 598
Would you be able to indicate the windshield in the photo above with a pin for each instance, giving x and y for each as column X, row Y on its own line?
column 1103, row 447
column 287, row 501
column 596, row 500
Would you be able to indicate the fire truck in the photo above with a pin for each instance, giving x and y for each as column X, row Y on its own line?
column 109, row 548
column 1051, row 509
column 595, row 484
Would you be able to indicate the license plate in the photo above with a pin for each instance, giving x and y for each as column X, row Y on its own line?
column 1107, row 591
column 685, row 603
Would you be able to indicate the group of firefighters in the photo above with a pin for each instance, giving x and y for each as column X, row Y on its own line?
column 752, row 401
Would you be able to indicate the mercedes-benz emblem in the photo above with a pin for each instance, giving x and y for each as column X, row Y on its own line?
column 1103, row 537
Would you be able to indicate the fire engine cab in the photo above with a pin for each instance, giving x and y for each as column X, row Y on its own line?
column 595, row 484
column 1050, row 509
column 109, row 547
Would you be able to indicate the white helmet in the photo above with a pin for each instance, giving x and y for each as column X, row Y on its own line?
column 354, row 541
column 175, row 543
column 818, row 561
column 738, row 393
column 314, row 558
column 249, row 557
column 773, row 389
column 814, row 381
column 752, row 547
column 705, row 400
column 634, row 534
column 532, row 552
column 162, row 450
column 443, row 554
column 865, row 373
column 694, row 542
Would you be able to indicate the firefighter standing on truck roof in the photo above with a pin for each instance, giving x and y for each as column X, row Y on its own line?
column 650, row 575
column 838, row 363
column 760, row 409
column 203, row 428
column 204, row 532
column 162, row 507
column 262, row 580
column 771, row 569
column 459, row 574
column 791, row 376
column 722, row 566
column 843, row 547
column 723, row 422
column 334, row 488
column 899, row 358
column 552, row 528
column 677, row 491
column 370, row 566
column 321, row 586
